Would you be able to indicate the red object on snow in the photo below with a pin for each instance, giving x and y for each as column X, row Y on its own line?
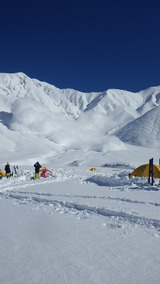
column 44, row 171
column 43, row 174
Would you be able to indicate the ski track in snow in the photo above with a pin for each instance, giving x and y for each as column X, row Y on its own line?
column 57, row 203
column 73, row 207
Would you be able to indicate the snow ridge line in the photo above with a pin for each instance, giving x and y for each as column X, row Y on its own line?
column 70, row 206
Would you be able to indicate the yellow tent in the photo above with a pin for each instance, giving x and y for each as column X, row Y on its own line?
column 2, row 174
column 93, row 169
column 143, row 171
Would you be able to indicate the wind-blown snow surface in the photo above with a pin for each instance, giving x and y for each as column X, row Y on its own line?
column 78, row 226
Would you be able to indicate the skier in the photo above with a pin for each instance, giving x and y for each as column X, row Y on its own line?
column 37, row 168
column 7, row 170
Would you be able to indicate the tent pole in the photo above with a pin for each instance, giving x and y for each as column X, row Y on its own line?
column 150, row 170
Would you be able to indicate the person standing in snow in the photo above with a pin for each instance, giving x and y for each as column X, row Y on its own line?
column 37, row 168
column 7, row 170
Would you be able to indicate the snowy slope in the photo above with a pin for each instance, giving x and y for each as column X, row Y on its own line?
column 144, row 131
column 68, row 118
column 76, row 225
column 79, row 227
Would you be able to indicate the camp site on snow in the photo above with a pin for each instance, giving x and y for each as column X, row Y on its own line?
column 149, row 171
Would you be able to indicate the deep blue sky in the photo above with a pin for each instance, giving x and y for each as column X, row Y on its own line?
column 87, row 45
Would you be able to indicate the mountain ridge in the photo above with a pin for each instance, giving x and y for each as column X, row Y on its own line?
column 71, row 118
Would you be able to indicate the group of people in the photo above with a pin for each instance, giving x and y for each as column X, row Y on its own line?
column 44, row 170
column 37, row 166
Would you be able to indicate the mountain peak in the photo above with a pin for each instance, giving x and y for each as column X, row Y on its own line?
column 74, row 119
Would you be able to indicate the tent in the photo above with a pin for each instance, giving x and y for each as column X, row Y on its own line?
column 2, row 174
column 143, row 171
column 93, row 169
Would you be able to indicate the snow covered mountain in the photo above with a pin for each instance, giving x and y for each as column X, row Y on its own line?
column 147, row 125
column 33, row 112
column 77, row 225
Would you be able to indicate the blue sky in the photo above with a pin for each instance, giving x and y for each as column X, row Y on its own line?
column 87, row 45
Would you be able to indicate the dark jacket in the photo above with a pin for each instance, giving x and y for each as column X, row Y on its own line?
column 7, row 169
column 37, row 167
